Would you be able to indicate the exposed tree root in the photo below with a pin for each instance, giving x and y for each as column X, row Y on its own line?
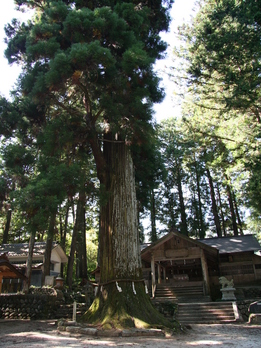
column 125, row 306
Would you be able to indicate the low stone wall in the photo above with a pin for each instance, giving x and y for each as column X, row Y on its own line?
column 30, row 306
column 243, row 308
column 245, row 293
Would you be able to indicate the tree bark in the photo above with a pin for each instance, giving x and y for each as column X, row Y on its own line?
column 214, row 204
column 221, row 212
column 80, row 204
column 7, row 226
column 119, row 249
column 202, row 229
column 29, row 262
column 153, row 237
column 121, row 290
column 238, row 215
column 63, row 232
column 48, row 247
column 184, row 226
column 232, row 211
column 81, row 249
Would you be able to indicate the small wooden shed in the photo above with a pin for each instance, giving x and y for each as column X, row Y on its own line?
column 18, row 252
column 8, row 271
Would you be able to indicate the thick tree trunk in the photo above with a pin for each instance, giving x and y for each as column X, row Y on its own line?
column 119, row 249
column 214, row 204
column 48, row 247
column 121, row 300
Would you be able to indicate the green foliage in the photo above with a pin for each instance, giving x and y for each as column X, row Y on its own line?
column 87, row 77
column 224, row 48
column 221, row 81
column 92, row 249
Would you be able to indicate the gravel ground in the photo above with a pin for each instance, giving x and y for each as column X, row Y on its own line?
column 32, row 334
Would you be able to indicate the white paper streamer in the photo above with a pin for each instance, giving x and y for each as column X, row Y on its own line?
column 133, row 288
column 118, row 287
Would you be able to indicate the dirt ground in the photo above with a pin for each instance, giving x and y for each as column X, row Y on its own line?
column 32, row 334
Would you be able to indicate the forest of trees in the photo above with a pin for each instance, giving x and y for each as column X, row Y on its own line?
column 79, row 125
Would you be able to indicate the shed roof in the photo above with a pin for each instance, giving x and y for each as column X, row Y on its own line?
column 238, row 244
column 9, row 270
column 22, row 249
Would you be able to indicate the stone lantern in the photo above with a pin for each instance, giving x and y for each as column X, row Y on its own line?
column 59, row 282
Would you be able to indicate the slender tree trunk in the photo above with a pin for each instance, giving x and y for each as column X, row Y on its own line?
column 63, row 225
column 171, row 208
column 63, row 232
column 7, row 225
column 231, row 206
column 153, row 217
column 48, row 247
column 184, row 226
column 81, row 250
column 214, row 204
column 202, row 230
column 141, row 229
column 80, row 204
column 29, row 262
column 221, row 212
column 238, row 215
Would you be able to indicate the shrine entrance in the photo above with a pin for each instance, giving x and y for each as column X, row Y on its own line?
column 178, row 260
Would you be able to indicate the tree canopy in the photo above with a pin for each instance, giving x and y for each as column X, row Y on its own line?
column 87, row 89
column 221, row 77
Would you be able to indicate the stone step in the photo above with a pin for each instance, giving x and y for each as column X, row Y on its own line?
column 177, row 293
column 213, row 312
column 179, row 290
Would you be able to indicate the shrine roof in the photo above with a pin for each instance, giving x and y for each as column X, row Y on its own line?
column 237, row 244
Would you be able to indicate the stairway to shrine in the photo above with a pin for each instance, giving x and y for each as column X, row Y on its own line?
column 181, row 292
column 208, row 313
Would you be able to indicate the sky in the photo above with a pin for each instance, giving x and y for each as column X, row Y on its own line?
column 181, row 11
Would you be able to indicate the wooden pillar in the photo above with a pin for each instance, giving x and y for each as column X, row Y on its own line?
column 1, row 278
column 204, row 266
column 159, row 273
column 153, row 277
column 164, row 274
column 254, row 268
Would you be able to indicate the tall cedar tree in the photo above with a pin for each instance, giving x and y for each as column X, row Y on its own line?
column 94, row 60
column 223, row 53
